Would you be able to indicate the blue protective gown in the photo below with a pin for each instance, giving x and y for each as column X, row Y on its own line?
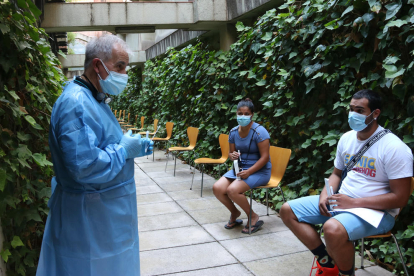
column 92, row 227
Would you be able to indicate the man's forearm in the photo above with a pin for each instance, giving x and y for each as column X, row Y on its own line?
column 379, row 202
column 334, row 181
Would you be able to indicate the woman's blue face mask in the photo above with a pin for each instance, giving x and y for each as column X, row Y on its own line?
column 244, row 120
column 114, row 83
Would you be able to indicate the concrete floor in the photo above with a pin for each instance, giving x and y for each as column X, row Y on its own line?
column 182, row 233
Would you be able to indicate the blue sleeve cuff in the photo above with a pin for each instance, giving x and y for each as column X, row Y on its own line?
column 124, row 152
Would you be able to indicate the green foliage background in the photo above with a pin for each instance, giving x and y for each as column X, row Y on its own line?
column 300, row 64
column 30, row 82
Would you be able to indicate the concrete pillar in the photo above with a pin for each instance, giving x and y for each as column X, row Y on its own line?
column 228, row 35
column 133, row 41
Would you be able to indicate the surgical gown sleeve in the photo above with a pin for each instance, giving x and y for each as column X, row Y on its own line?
column 79, row 129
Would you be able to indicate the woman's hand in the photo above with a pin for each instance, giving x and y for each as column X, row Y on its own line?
column 244, row 174
column 234, row 155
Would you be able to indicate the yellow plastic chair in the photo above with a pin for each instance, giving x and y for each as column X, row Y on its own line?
column 120, row 115
column 142, row 125
column 225, row 149
column 155, row 129
column 136, row 121
column 116, row 111
column 169, row 127
column 386, row 235
column 192, row 133
column 127, row 122
column 280, row 159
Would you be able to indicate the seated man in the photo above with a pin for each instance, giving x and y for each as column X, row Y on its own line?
column 380, row 180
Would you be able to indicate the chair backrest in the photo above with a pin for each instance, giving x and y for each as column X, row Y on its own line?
column 142, row 121
column 192, row 133
column 120, row 114
column 123, row 116
column 155, row 125
column 116, row 111
column 129, row 114
column 280, row 159
column 224, row 145
column 169, row 127
column 136, row 119
column 411, row 191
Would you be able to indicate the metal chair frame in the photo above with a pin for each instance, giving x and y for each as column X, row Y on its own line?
column 192, row 133
column 225, row 147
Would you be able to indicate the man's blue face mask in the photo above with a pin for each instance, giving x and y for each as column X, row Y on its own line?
column 114, row 83
column 357, row 121
column 244, row 120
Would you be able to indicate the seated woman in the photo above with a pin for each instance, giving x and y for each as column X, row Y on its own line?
column 252, row 140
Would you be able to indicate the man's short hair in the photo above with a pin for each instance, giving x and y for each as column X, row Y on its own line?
column 374, row 99
column 101, row 47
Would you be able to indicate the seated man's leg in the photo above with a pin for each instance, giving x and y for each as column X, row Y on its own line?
column 298, row 215
column 344, row 228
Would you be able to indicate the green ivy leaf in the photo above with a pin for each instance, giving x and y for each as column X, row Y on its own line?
column 5, row 254
column 2, row 179
column 16, row 242
column 292, row 54
column 267, row 36
column 41, row 160
column 396, row 23
column 240, row 27
column 392, row 9
column 408, row 139
column 268, row 104
column 261, row 83
column 4, row 28
column 349, row 9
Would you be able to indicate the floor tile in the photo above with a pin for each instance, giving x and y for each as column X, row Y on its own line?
column 296, row 264
column 153, row 198
column 185, row 258
column 158, row 209
column 264, row 246
column 150, row 189
column 173, row 237
column 227, row 270
column 165, row 221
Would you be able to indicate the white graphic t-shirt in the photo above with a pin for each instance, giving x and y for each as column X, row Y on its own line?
column 389, row 158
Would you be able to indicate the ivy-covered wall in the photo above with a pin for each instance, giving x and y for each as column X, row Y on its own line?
column 300, row 64
column 30, row 82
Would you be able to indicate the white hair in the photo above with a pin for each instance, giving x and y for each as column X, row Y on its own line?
column 101, row 47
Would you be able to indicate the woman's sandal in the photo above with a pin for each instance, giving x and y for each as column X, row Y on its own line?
column 235, row 223
column 255, row 227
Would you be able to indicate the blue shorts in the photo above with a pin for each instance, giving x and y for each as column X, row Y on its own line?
column 306, row 210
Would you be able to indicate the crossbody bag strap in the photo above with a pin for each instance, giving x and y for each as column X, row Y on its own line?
column 355, row 159
column 366, row 147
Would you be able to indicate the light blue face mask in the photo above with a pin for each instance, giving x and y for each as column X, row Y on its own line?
column 244, row 120
column 357, row 121
column 114, row 83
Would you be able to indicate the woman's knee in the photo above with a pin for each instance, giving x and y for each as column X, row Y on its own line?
column 219, row 188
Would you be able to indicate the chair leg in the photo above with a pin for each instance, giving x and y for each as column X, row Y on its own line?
column 192, row 181
column 175, row 164
column 283, row 196
column 250, row 213
column 202, row 179
column 166, row 163
column 153, row 154
column 401, row 256
column 362, row 253
column 267, row 201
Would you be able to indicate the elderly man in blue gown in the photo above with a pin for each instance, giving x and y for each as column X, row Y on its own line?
column 92, row 227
